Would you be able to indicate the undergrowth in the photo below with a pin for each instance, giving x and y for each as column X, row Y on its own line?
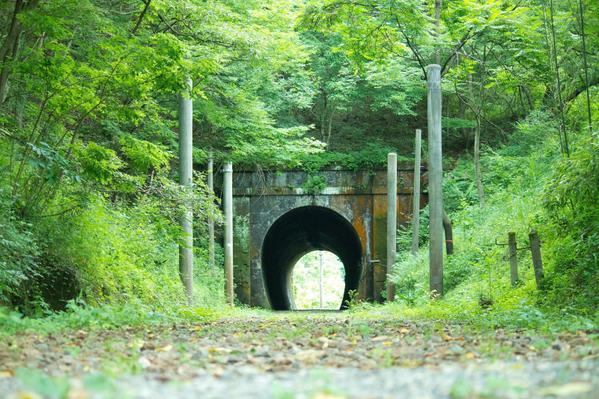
column 524, row 191
column 78, row 315
column 104, row 253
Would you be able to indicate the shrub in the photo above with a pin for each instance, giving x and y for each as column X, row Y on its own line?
column 118, row 253
column 18, row 255
column 572, row 202
column 514, row 177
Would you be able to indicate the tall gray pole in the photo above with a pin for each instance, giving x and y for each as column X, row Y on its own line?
column 435, row 183
column 391, row 221
column 320, row 288
column 228, row 205
column 416, row 194
column 186, row 180
column 210, row 219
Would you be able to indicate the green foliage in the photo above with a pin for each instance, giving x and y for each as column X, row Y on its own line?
column 571, row 199
column 371, row 156
column 524, row 193
column 314, row 184
column 89, row 204
column 18, row 254
column 41, row 383
column 116, row 256
column 106, row 253
column 98, row 163
column 143, row 155
column 79, row 315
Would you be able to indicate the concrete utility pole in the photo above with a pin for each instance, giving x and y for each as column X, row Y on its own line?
column 186, row 180
column 435, row 183
column 320, row 280
column 416, row 194
column 228, row 205
column 210, row 219
column 391, row 221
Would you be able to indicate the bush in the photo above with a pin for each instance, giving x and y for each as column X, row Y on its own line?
column 18, row 255
column 116, row 254
column 120, row 253
column 103, row 252
column 478, row 271
column 572, row 202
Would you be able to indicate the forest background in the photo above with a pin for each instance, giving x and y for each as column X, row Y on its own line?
column 89, row 200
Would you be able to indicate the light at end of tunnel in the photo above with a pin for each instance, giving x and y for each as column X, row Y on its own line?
column 318, row 281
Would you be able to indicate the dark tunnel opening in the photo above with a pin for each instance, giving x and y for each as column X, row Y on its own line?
column 298, row 232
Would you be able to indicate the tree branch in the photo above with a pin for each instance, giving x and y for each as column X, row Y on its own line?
column 141, row 16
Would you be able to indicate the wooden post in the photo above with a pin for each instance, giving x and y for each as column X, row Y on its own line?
column 537, row 261
column 416, row 193
column 391, row 221
column 512, row 248
column 448, row 233
column 435, row 173
column 210, row 219
column 228, row 205
column 186, row 180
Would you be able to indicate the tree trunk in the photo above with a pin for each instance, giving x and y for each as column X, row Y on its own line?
column 323, row 116
column 6, row 68
column 438, row 5
column 330, row 128
column 586, row 66
column 141, row 16
column 9, row 48
column 477, row 168
column 558, row 84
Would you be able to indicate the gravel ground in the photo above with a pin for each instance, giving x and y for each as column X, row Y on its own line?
column 301, row 356
column 489, row 380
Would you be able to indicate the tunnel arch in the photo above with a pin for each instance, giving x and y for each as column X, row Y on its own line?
column 298, row 232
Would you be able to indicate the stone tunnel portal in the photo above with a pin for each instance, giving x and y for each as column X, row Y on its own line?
column 298, row 232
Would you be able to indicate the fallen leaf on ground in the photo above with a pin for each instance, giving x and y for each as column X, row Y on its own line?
column 164, row 348
column 6, row 373
column 28, row 395
column 327, row 396
column 144, row 362
column 567, row 390
column 380, row 338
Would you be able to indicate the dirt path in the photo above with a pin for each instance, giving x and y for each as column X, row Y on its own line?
column 302, row 355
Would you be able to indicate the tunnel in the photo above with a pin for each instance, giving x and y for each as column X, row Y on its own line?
column 298, row 232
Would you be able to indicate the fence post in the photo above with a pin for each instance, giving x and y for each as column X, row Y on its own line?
column 512, row 248
column 537, row 261
column 447, row 227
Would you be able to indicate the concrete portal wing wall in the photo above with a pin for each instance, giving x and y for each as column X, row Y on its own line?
column 278, row 218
